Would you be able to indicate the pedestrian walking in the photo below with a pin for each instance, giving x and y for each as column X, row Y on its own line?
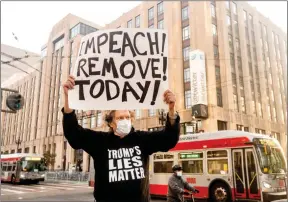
column 121, row 156
column 177, row 186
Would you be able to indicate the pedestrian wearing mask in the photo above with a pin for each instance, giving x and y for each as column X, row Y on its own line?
column 177, row 186
column 121, row 156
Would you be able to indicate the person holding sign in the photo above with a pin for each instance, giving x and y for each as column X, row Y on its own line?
column 121, row 156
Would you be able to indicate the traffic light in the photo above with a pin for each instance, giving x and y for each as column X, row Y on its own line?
column 15, row 101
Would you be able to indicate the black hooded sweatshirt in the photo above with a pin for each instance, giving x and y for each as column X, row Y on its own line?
column 121, row 164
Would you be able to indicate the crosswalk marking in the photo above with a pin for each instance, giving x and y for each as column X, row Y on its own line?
column 8, row 189
column 26, row 189
column 59, row 187
column 70, row 185
column 14, row 191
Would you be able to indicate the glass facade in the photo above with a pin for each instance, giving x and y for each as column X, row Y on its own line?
column 82, row 29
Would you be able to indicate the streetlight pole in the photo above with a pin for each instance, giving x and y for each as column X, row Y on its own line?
column 194, row 124
column 162, row 117
column 18, row 142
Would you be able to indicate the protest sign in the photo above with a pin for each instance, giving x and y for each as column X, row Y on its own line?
column 121, row 69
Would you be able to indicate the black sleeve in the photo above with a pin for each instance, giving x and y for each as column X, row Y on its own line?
column 78, row 137
column 163, row 140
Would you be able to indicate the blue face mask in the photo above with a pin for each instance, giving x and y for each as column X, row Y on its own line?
column 123, row 127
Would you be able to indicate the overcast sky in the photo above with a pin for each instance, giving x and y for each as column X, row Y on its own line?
column 33, row 21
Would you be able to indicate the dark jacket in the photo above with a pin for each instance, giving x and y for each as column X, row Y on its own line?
column 121, row 164
column 176, row 186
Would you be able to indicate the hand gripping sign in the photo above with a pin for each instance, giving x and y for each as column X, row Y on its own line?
column 121, row 69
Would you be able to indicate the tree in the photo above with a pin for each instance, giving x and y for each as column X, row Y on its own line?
column 49, row 159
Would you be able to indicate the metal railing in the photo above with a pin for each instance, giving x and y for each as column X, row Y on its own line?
column 66, row 176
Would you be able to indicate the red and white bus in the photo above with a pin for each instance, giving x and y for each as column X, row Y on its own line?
column 224, row 166
column 17, row 168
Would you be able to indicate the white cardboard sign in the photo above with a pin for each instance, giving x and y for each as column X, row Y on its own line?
column 121, row 69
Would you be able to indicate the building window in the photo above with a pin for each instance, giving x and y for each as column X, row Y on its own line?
column 137, row 114
column 137, row 21
column 187, row 99
column 245, row 17
column 187, row 75
column 59, row 44
column 260, row 131
column 185, row 33
column 214, row 30
column 93, row 121
column 99, row 118
column 219, row 97
column 43, row 53
column 230, row 39
column 129, row 24
column 186, row 53
column 151, row 13
column 274, row 114
column 151, row 112
column 251, row 22
column 74, row 31
column 222, row 125
column 160, row 24
column 253, row 107
column 264, row 30
column 227, row 3
column 228, row 20
column 217, row 73
column 213, row 11
column 151, row 26
column 185, row 13
column 235, row 102
column 160, row 8
column 237, row 44
column 234, row 8
column 216, row 51
column 242, row 101
column 269, row 112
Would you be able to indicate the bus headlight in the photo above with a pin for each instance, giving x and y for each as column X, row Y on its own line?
column 266, row 185
column 22, row 176
column 43, row 175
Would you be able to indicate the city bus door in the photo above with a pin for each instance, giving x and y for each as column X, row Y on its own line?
column 239, row 180
column 251, row 174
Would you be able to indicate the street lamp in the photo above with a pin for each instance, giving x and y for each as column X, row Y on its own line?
column 162, row 117
column 194, row 124
column 18, row 142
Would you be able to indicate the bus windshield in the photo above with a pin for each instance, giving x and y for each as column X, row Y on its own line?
column 271, row 157
column 33, row 165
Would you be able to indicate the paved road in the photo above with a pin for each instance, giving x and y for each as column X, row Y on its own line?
column 49, row 192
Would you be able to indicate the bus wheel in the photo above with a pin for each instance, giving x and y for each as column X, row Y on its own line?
column 13, row 179
column 220, row 193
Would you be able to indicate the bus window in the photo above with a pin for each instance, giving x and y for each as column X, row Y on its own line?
column 9, row 168
column 192, row 162
column 14, row 166
column 4, row 166
column 163, row 163
column 217, row 162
